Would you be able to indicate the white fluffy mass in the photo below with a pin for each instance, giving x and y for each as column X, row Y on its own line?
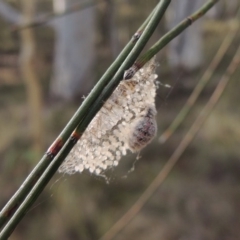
column 125, row 122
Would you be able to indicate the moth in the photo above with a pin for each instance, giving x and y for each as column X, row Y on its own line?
column 126, row 122
column 144, row 129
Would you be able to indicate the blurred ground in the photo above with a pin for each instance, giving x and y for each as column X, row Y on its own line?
column 198, row 201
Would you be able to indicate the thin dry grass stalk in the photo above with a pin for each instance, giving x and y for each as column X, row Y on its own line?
column 136, row 208
column 227, row 41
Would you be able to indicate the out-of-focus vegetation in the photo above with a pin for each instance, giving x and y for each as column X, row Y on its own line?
column 199, row 199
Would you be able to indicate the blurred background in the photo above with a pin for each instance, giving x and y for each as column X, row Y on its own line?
column 46, row 69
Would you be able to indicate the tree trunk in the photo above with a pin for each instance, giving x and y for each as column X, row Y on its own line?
column 109, row 28
column 27, row 65
column 185, row 51
column 74, row 51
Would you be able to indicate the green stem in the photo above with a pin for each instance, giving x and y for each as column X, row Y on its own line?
column 187, row 139
column 230, row 35
column 12, row 205
column 162, row 42
column 128, row 62
column 52, row 168
column 39, row 186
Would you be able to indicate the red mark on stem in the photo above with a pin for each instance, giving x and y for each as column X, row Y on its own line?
column 11, row 211
column 190, row 19
column 75, row 136
column 55, row 148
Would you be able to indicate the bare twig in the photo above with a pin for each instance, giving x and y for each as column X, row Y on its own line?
column 13, row 16
column 42, row 19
